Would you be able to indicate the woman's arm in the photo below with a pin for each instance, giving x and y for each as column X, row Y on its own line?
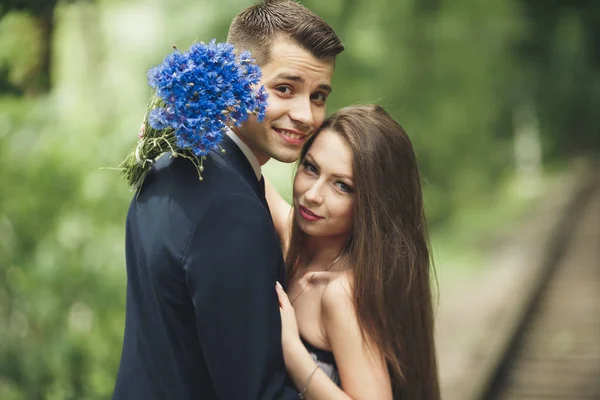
column 363, row 371
column 361, row 365
column 281, row 212
column 310, row 381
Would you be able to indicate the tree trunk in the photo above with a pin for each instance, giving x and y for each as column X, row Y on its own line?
column 43, row 76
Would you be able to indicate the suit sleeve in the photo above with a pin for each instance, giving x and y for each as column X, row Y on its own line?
column 231, row 264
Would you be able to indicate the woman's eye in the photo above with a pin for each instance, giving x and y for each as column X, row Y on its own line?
column 309, row 167
column 343, row 187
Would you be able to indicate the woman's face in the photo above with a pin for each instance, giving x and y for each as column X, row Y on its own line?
column 324, row 189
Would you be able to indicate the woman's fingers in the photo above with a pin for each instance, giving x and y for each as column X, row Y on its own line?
column 284, row 301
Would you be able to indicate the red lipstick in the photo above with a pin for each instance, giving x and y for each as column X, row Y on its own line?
column 308, row 215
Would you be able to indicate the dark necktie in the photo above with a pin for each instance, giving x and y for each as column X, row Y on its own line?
column 263, row 194
column 261, row 182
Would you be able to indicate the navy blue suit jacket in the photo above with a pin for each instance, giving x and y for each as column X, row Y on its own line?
column 202, row 315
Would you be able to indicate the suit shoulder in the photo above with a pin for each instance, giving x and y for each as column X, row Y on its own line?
column 178, row 175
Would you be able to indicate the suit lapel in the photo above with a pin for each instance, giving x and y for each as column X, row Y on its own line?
column 235, row 158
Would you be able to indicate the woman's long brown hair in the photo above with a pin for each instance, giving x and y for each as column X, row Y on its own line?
column 388, row 249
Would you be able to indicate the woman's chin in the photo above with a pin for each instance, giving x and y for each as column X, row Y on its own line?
column 308, row 227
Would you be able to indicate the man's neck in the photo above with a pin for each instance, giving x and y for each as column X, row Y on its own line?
column 247, row 152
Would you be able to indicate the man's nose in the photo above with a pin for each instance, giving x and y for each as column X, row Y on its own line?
column 302, row 112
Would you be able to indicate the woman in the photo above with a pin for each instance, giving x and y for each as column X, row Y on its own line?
column 358, row 322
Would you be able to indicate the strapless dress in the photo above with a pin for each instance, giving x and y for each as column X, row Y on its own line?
column 324, row 360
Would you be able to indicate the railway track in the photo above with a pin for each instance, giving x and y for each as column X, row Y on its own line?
column 555, row 350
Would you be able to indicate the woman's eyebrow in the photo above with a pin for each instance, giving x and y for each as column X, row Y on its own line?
column 309, row 157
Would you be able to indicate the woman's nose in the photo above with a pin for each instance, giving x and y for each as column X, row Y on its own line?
column 313, row 194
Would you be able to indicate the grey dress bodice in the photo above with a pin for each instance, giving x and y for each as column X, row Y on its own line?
column 324, row 360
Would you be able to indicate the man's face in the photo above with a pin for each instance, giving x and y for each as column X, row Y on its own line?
column 298, row 85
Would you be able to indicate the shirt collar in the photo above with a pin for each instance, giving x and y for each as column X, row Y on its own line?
column 247, row 152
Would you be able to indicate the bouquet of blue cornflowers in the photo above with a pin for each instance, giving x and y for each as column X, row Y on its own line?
column 199, row 94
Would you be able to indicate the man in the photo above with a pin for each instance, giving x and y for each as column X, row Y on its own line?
column 202, row 318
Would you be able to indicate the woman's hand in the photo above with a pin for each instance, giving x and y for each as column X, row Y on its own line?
column 290, row 336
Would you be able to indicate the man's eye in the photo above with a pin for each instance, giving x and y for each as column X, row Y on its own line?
column 320, row 97
column 284, row 89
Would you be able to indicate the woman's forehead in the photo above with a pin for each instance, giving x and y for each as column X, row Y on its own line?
column 332, row 152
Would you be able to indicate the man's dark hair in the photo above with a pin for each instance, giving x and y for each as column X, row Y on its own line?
column 256, row 28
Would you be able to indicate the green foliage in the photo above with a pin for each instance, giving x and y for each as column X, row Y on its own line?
column 19, row 54
column 562, row 64
column 60, row 288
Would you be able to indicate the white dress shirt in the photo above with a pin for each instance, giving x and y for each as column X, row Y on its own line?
column 247, row 152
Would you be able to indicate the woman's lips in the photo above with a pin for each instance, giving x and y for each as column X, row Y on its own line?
column 308, row 215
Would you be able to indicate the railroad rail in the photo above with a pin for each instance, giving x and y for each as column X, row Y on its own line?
column 554, row 349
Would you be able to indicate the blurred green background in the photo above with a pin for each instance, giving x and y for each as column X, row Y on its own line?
column 497, row 97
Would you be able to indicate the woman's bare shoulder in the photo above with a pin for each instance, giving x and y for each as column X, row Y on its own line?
column 337, row 298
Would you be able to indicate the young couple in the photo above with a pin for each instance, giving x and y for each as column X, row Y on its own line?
column 206, row 315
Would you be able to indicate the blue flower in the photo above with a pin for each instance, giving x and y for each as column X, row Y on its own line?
column 205, row 90
column 158, row 118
